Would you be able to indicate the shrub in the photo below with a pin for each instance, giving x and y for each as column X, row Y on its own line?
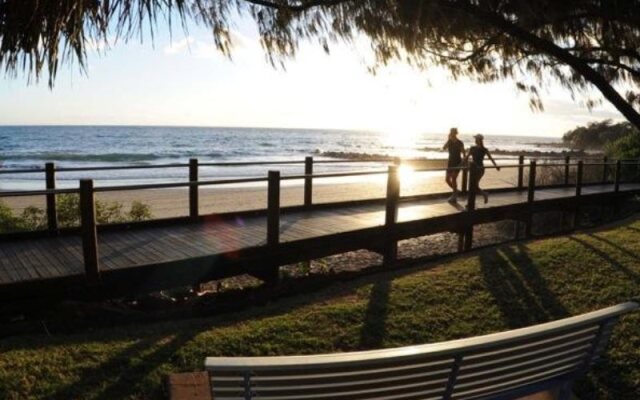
column 68, row 206
column 551, row 173
column 596, row 135
column 139, row 211
column 8, row 222
column 626, row 147
column 68, row 210
column 33, row 218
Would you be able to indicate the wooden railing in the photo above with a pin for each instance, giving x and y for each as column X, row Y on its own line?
column 470, row 176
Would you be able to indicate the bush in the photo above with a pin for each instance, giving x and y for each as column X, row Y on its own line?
column 35, row 218
column 596, row 135
column 139, row 211
column 8, row 222
column 68, row 210
column 626, row 147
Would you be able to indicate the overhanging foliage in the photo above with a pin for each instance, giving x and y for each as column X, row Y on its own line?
column 579, row 44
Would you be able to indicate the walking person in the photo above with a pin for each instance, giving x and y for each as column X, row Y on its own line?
column 477, row 153
column 456, row 154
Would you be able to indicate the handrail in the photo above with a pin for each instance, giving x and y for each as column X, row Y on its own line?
column 333, row 175
column 120, row 167
column 256, row 163
column 177, row 184
column 21, row 193
column 259, row 179
column 295, row 162
column 22, row 171
column 205, row 164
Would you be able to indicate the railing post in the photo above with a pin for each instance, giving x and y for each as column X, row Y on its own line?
column 270, row 271
column 520, row 172
column 308, row 181
column 465, row 180
column 89, row 231
column 52, row 210
column 473, row 186
column 579, row 178
column 616, row 187
column 605, row 170
column 531, row 193
column 576, row 215
column 471, row 204
column 273, row 208
column 391, row 216
column 567, row 169
column 193, row 190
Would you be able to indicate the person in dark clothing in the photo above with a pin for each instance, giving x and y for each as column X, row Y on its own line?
column 477, row 154
column 456, row 154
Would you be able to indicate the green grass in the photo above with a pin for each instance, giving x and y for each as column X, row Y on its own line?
column 492, row 290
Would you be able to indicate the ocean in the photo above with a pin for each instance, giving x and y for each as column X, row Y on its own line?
column 29, row 147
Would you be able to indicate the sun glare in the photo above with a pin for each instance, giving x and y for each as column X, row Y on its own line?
column 407, row 175
column 401, row 142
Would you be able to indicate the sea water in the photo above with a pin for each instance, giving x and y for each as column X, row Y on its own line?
column 29, row 147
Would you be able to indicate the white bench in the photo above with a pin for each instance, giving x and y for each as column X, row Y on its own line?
column 504, row 365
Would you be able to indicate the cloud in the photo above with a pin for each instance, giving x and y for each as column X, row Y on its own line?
column 190, row 46
column 238, row 40
column 98, row 45
column 178, row 47
column 206, row 49
column 579, row 112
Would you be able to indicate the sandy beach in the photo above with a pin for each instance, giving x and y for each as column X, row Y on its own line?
column 166, row 203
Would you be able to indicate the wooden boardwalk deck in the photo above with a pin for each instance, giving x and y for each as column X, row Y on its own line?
column 215, row 242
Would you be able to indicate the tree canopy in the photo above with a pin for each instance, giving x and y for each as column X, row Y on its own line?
column 580, row 44
column 597, row 135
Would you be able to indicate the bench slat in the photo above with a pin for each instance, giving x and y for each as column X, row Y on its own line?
column 512, row 384
column 532, row 363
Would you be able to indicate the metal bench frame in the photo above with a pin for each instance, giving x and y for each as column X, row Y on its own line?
column 504, row 365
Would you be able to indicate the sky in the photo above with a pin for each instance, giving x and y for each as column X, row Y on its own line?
column 181, row 80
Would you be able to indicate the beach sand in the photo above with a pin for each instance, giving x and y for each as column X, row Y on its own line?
column 167, row 203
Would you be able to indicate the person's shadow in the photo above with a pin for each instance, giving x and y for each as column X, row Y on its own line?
column 518, row 289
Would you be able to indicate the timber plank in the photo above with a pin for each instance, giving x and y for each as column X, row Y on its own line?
column 7, row 268
column 323, row 231
column 127, row 246
column 41, row 266
column 65, row 264
column 21, row 265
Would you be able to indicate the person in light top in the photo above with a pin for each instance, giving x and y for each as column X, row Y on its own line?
column 477, row 154
column 454, row 163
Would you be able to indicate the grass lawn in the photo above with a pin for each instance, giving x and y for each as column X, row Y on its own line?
column 491, row 290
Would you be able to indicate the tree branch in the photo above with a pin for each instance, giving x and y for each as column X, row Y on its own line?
column 611, row 63
column 553, row 50
column 298, row 7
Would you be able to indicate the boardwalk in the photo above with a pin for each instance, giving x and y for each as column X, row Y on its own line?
column 215, row 247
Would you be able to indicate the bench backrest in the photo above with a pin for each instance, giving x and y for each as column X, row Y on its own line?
column 495, row 366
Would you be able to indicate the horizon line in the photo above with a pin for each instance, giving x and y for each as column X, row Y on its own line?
column 351, row 130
